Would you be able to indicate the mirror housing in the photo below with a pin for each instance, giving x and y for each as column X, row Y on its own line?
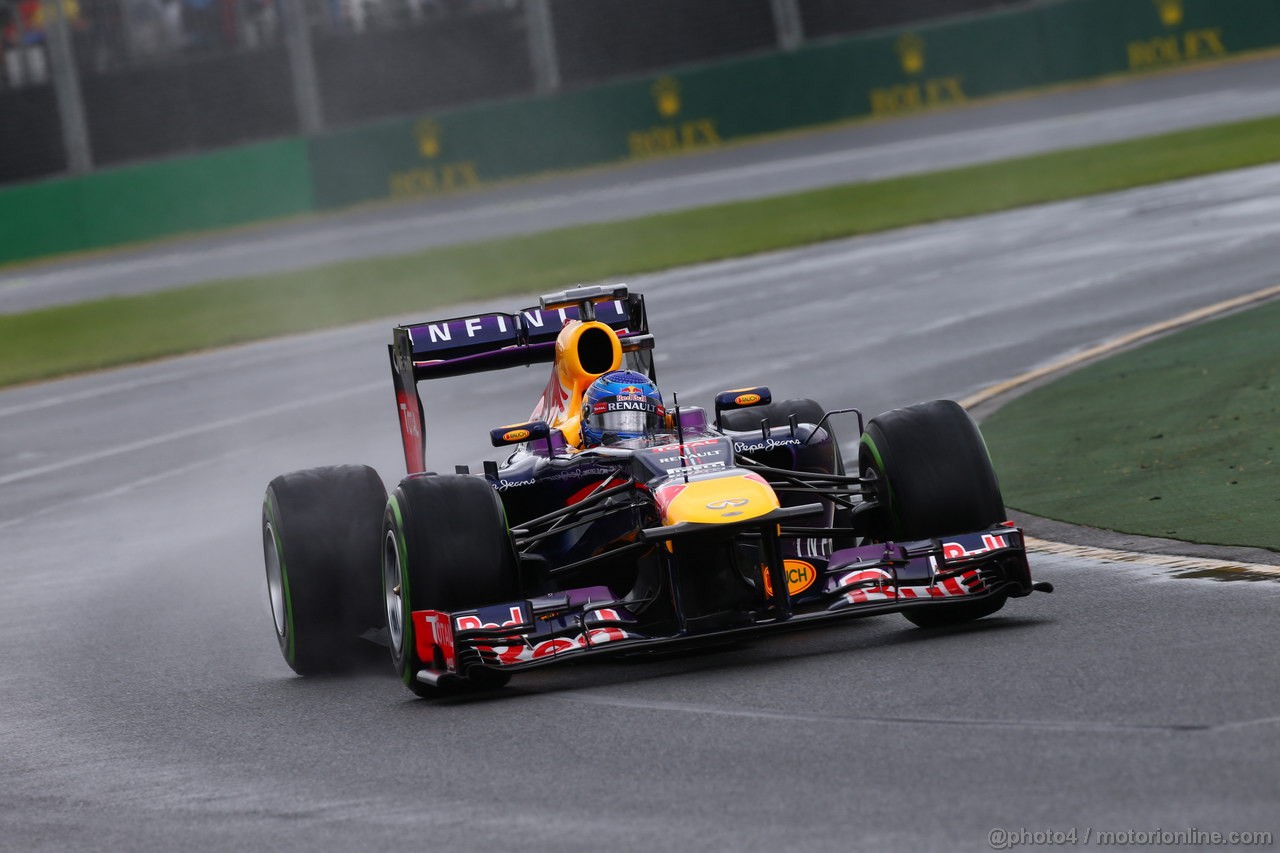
column 519, row 433
column 742, row 398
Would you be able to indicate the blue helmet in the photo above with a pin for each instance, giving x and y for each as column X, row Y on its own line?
column 621, row 404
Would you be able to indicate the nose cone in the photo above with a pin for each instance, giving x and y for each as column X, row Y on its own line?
column 736, row 497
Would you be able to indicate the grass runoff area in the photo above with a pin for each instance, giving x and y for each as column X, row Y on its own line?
column 63, row 340
column 1179, row 438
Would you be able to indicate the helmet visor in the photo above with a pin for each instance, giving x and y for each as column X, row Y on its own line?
column 628, row 423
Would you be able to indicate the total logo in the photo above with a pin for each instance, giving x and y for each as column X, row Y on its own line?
column 665, row 448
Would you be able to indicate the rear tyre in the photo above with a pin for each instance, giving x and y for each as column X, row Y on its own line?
column 321, row 530
column 933, row 478
column 445, row 546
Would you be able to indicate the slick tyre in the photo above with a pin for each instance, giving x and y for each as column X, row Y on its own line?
column 933, row 477
column 321, row 530
column 445, row 546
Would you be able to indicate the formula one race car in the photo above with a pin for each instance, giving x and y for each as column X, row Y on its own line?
column 679, row 529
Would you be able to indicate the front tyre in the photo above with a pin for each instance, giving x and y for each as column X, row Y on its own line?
column 320, row 535
column 932, row 472
column 445, row 547
column 933, row 477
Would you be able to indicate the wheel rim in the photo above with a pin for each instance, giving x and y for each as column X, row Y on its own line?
column 392, row 585
column 275, row 580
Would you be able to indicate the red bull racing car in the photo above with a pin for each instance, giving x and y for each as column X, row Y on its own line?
column 694, row 526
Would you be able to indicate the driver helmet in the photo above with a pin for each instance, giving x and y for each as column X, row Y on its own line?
column 619, row 405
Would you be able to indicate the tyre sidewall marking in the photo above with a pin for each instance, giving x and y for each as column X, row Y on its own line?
column 274, row 515
column 875, row 454
column 408, row 640
column 506, row 525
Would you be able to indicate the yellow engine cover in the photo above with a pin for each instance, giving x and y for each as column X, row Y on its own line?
column 577, row 343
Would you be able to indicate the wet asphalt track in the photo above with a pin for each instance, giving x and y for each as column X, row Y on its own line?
column 991, row 131
column 144, row 706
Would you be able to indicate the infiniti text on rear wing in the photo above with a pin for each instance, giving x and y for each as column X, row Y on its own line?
column 482, row 342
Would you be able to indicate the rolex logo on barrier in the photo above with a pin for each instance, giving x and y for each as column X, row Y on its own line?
column 1170, row 12
column 427, row 133
column 910, row 50
column 918, row 92
column 674, row 133
column 417, row 179
column 1179, row 46
column 666, row 95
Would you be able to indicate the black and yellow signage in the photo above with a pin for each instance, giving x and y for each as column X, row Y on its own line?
column 674, row 135
column 910, row 50
column 433, row 177
column 1177, row 47
column 880, row 73
column 427, row 134
column 917, row 94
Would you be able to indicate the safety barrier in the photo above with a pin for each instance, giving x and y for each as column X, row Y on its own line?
column 696, row 107
column 109, row 208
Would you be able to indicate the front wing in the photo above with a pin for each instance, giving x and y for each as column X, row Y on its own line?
column 864, row 581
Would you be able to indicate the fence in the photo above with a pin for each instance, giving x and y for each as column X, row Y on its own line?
column 145, row 78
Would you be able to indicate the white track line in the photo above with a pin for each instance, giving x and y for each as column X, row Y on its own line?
column 142, row 444
column 237, row 356
column 1163, row 561
column 1108, row 347
column 793, row 717
column 124, row 488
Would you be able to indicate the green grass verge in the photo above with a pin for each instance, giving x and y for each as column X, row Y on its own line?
column 1178, row 439
column 58, row 341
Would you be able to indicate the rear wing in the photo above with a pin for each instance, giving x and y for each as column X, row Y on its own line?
column 479, row 343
